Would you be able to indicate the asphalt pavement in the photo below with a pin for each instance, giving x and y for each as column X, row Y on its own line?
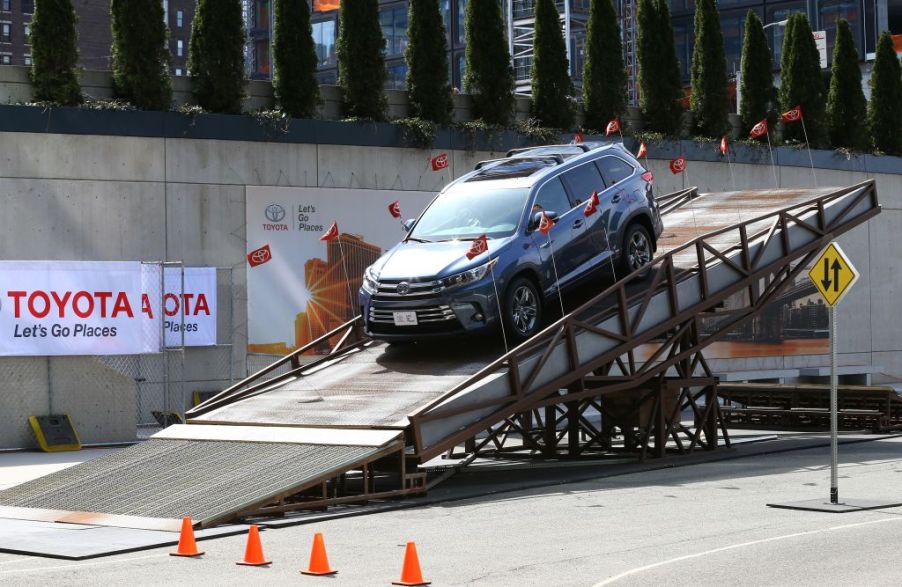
column 703, row 524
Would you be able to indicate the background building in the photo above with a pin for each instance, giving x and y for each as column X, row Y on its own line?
column 178, row 15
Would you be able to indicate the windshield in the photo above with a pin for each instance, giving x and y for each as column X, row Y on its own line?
column 471, row 213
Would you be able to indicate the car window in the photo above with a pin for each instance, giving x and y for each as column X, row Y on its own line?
column 582, row 181
column 552, row 197
column 468, row 213
column 614, row 169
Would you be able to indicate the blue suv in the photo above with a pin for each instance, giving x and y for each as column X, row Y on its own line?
column 426, row 286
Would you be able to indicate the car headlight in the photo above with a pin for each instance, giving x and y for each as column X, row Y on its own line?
column 468, row 276
column 370, row 281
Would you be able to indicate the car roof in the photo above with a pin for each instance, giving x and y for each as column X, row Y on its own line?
column 528, row 166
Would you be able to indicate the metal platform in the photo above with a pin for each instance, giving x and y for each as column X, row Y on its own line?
column 354, row 425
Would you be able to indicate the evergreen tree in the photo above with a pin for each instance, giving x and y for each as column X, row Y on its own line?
column 801, row 82
column 489, row 76
column 428, row 88
column 140, row 58
column 660, row 89
column 361, row 59
column 604, row 75
column 885, row 107
column 846, row 106
column 54, row 52
column 294, row 59
column 216, row 56
column 709, row 101
column 551, row 84
column 756, row 83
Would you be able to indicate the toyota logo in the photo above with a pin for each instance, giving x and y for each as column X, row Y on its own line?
column 274, row 212
column 403, row 288
column 260, row 256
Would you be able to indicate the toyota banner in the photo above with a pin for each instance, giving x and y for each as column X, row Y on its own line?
column 53, row 308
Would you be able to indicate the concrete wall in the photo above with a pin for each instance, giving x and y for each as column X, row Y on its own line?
column 150, row 199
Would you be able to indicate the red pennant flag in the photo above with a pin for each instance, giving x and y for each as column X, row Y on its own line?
column 259, row 256
column 440, row 162
column 545, row 224
column 793, row 115
column 479, row 246
column 395, row 209
column 678, row 165
column 331, row 233
column 579, row 137
column 643, row 151
column 613, row 127
column 724, row 145
column 759, row 129
column 591, row 205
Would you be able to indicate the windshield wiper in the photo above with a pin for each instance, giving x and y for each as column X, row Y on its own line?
column 418, row 239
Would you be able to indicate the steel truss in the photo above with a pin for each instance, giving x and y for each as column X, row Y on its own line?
column 769, row 252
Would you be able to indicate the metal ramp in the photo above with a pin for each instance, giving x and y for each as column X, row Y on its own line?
column 356, row 424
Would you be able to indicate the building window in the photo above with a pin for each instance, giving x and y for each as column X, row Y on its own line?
column 5, row 59
column 5, row 36
column 324, row 39
column 178, row 71
column 831, row 12
column 325, row 5
column 461, row 17
column 261, row 58
column 684, row 41
column 4, row 5
column 180, row 48
column 179, row 18
column 28, row 6
column 28, row 60
column 397, row 76
column 27, row 32
column 394, row 30
column 733, row 26
column 776, row 14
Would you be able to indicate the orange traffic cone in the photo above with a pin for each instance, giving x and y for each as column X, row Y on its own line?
column 253, row 554
column 319, row 562
column 411, row 574
column 187, row 546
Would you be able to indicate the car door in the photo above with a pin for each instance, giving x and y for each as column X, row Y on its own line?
column 618, row 199
column 552, row 197
column 581, row 182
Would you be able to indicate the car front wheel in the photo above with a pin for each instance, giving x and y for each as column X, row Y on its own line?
column 522, row 310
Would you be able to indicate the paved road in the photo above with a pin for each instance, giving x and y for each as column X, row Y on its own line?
column 704, row 524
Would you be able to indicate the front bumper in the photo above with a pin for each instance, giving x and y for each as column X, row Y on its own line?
column 451, row 312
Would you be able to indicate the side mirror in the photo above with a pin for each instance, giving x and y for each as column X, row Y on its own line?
column 537, row 218
column 408, row 224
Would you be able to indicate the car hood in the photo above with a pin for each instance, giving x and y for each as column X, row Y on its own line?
column 413, row 260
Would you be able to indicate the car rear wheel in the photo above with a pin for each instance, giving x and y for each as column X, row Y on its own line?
column 522, row 310
column 638, row 250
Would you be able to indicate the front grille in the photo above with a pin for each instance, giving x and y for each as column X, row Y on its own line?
column 416, row 290
column 425, row 314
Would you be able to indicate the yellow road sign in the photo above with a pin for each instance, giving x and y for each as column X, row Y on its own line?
column 833, row 274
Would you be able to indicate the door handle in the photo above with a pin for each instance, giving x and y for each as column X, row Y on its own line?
column 545, row 245
column 577, row 223
column 617, row 197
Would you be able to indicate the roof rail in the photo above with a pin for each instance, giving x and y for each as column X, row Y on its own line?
column 558, row 159
column 585, row 148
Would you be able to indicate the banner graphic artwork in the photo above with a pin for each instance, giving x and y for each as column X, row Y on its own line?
column 299, row 286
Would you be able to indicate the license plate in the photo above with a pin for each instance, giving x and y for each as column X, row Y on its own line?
column 405, row 318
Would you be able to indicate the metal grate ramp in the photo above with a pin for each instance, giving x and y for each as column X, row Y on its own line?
column 167, row 478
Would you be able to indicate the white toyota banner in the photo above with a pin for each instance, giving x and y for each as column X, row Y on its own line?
column 193, row 312
column 54, row 308
column 72, row 308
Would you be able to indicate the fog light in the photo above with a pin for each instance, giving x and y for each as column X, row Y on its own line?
column 478, row 317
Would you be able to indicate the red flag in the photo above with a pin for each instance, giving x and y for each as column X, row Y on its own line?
column 259, row 256
column 440, row 162
column 678, row 165
column 479, row 246
column 578, row 138
column 643, row 151
column 591, row 205
column 331, row 233
column 724, row 145
column 793, row 115
column 613, row 127
column 759, row 129
column 545, row 224
column 395, row 209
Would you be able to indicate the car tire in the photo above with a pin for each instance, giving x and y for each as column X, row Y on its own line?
column 638, row 251
column 522, row 310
